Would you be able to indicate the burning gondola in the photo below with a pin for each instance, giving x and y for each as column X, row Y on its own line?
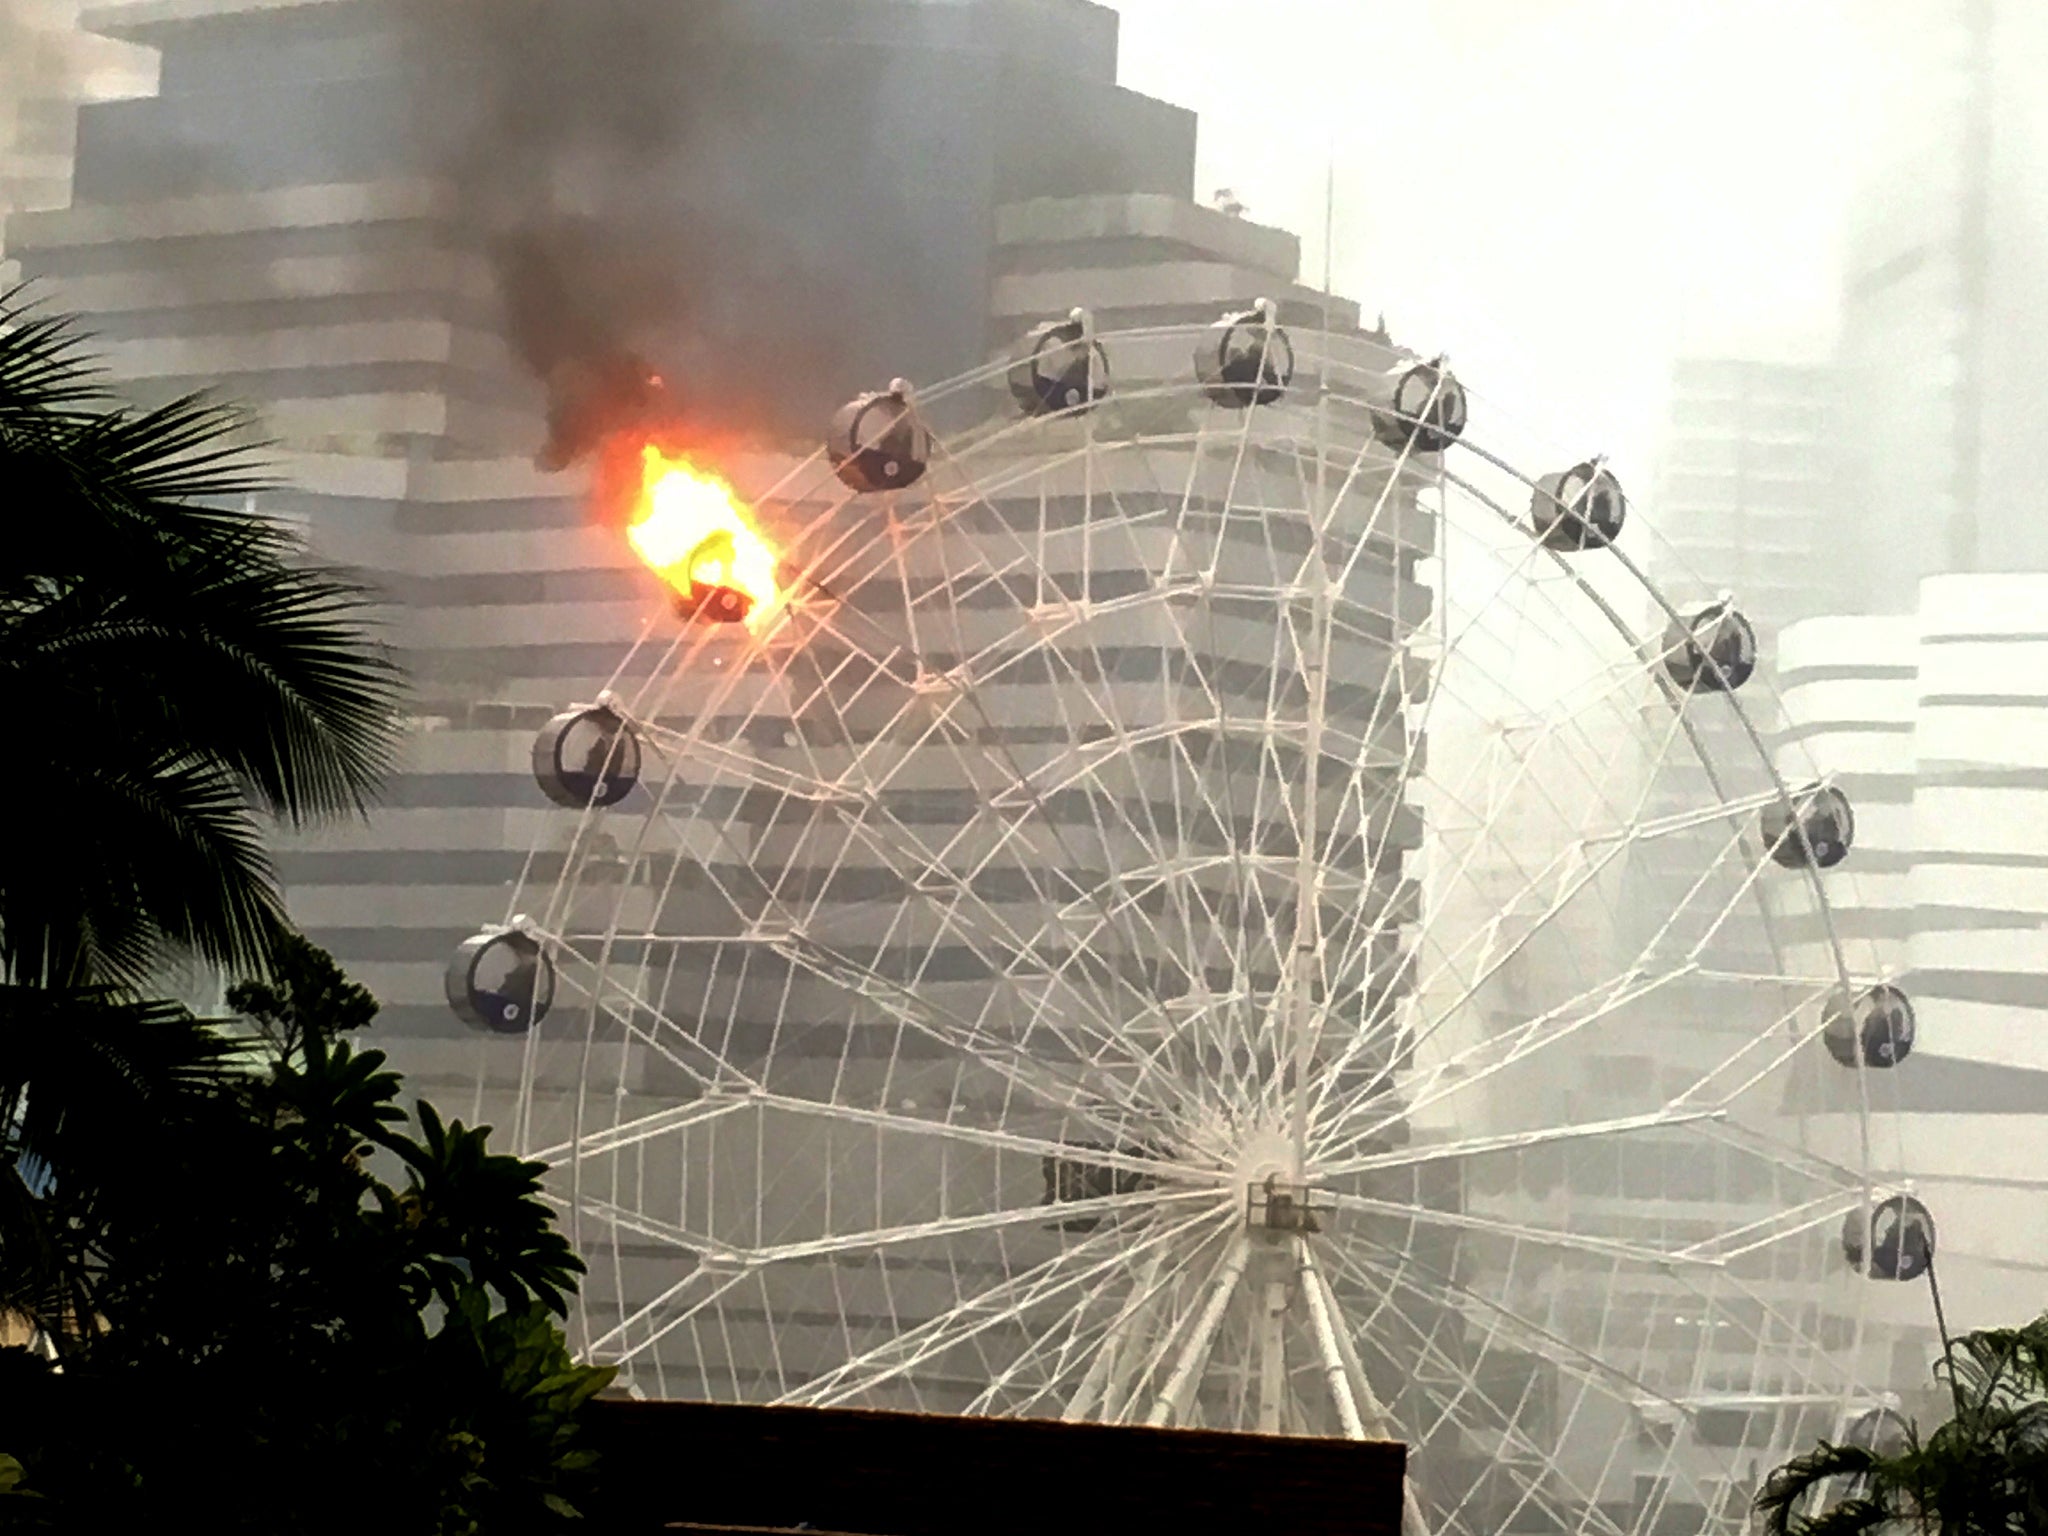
column 691, row 529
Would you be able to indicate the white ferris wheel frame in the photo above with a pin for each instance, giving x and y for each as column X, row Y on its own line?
column 1156, row 1385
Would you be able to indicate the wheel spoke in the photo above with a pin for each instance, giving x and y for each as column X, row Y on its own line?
column 642, row 1128
column 1423, row 1215
column 992, row 1221
column 1084, row 1264
column 1511, row 1141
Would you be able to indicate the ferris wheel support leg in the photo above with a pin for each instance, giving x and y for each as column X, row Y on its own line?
column 1362, row 1402
column 1106, row 1387
column 1176, row 1398
column 1141, row 1341
column 1272, row 1345
column 1082, row 1405
column 1334, row 1369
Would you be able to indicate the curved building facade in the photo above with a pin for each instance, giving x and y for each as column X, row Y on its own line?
column 1936, row 725
column 1847, row 691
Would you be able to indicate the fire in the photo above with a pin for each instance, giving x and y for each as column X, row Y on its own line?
column 690, row 527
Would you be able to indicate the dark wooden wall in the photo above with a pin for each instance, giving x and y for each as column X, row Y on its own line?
column 729, row 1468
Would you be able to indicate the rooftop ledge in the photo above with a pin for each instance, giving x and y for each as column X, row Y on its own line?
column 1149, row 216
column 140, row 20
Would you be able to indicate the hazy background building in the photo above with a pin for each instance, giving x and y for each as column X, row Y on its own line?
column 49, row 65
column 1740, row 496
column 1847, row 688
column 1934, row 723
column 1923, row 472
column 1945, row 308
column 1738, row 508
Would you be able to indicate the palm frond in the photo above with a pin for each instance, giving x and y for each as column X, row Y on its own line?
column 261, row 665
column 65, row 436
column 1993, row 1365
column 46, row 371
column 1796, row 1484
column 1850, row 1517
column 1983, row 1472
column 164, row 854
column 293, row 695
column 187, row 451
column 54, row 392
column 209, row 887
column 82, row 1070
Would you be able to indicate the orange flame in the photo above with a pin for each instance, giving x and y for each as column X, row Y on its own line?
column 692, row 530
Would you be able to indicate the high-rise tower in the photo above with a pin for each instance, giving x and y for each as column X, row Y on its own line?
column 1945, row 310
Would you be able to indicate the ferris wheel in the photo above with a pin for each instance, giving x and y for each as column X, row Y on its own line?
column 1165, row 882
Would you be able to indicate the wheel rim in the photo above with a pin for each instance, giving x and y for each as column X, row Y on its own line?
column 904, row 951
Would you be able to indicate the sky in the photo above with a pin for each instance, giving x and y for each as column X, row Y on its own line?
column 1563, row 195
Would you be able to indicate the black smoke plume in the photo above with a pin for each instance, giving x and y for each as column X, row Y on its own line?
column 671, row 195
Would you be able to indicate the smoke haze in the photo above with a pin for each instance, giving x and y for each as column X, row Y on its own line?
column 619, row 158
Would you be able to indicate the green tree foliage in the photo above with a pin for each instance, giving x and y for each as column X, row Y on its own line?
column 1983, row 1473
column 115, row 1082
column 277, row 1299
column 177, row 674
column 309, row 1309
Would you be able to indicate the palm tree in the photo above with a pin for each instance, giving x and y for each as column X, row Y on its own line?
column 176, row 681
column 1983, row 1473
column 174, row 675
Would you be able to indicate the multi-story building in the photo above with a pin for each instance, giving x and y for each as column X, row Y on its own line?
column 1942, row 320
column 274, row 224
column 1741, row 489
column 1736, row 516
column 1932, row 724
column 1738, row 511
column 49, row 65
column 277, row 225
column 365, row 182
